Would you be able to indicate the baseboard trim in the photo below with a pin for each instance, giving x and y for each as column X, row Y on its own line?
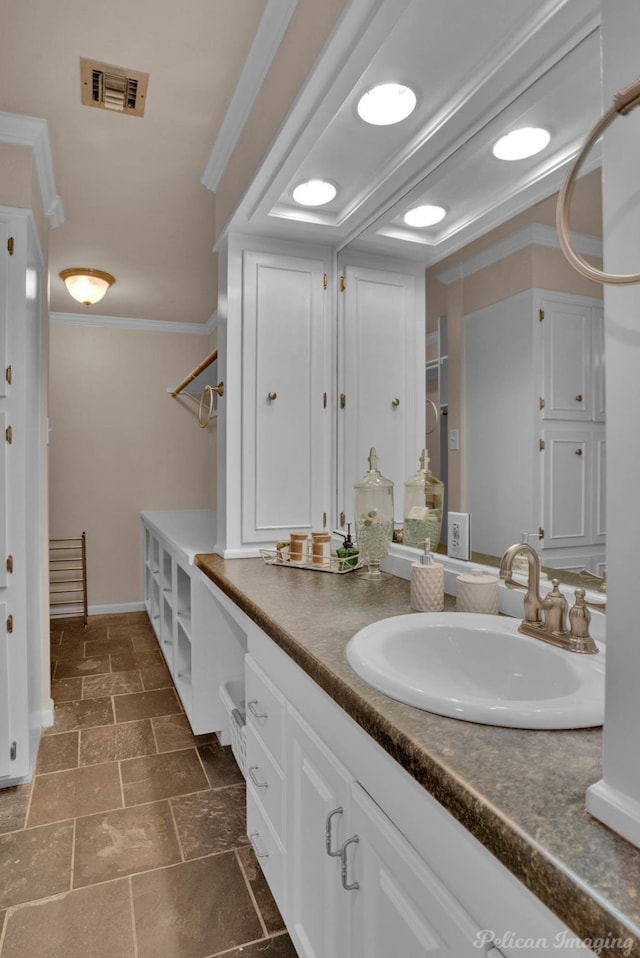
column 116, row 607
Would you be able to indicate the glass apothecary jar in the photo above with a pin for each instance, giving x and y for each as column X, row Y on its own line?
column 374, row 518
column 422, row 511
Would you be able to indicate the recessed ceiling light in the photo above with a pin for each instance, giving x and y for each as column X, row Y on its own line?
column 314, row 193
column 424, row 215
column 522, row 143
column 386, row 104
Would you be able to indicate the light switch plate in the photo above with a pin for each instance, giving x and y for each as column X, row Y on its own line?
column 459, row 535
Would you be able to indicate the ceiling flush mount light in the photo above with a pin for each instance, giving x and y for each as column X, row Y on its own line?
column 88, row 286
column 386, row 104
column 519, row 144
column 424, row 215
column 314, row 193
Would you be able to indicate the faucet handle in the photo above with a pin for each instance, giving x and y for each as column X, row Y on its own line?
column 579, row 619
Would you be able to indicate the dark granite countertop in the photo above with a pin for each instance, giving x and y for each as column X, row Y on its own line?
column 521, row 793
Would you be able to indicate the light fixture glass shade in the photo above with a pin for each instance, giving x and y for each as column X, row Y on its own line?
column 88, row 286
column 314, row 193
column 519, row 144
column 386, row 104
column 424, row 216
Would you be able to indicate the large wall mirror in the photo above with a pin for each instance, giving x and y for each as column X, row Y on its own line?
column 514, row 364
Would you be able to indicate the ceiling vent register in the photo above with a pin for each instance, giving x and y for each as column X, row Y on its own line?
column 113, row 88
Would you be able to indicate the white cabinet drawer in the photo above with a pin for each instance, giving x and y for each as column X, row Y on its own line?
column 267, row 847
column 267, row 781
column 265, row 709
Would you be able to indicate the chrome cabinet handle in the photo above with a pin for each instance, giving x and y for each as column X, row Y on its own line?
column 255, row 846
column 254, row 779
column 354, row 886
column 252, row 708
column 578, row 452
column 272, row 396
column 327, row 833
column 395, row 402
column 579, row 397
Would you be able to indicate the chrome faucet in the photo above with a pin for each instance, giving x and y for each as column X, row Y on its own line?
column 546, row 618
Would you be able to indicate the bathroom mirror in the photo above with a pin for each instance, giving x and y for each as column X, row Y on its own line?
column 486, row 369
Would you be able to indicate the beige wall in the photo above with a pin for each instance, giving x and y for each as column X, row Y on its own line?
column 120, row 444
column 534, row 266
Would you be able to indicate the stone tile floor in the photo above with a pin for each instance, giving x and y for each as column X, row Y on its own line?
column 130, row 841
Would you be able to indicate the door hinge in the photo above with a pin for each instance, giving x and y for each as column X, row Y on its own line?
column 541, row 315
column 9, row 624
column 9, row 434
column 343, row 518
column 540, row 533
column 324, row 520
column 541, row 444
column 13, row 751
column 324, row 400
column 8, row 374
column 10, row 246
column 541, row 404
column 9, row 563
column 343, row 400
column 343, row 284
column 325, row 280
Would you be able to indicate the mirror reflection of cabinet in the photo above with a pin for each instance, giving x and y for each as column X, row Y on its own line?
column 380, row 355
column 534, row 437
column 437, row 409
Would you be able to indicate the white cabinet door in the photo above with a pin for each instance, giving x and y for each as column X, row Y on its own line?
column 400, row 907
column 567, row 487
column 285, row 417
column 598, row 368
column 382, row 376
column 567, row 360
column 319, row 794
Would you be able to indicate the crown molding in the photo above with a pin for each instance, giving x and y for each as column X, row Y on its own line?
column 271, row 29
column 140, row 325
column 535, row 234
column 34, row 132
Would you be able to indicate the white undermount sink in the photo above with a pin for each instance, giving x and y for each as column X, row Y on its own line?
column 481, row 669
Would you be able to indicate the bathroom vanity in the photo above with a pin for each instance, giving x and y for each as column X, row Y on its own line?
column 385, row 830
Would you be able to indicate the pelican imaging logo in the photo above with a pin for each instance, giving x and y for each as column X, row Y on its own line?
column 562, row 941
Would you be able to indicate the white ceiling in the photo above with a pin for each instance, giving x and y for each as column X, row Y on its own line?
column 132, row 192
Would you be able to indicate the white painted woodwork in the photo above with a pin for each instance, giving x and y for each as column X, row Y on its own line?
column 381, row 374
column 319, row 792
column 615, row 799
column 567, row 360
column 426, row 885
column 512, row 361
column 400, row 906
column 5, row 700
column 202, row 644
column 284, row 474
column 25, row 707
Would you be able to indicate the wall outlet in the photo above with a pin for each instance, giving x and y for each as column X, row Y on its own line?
column 459, row 535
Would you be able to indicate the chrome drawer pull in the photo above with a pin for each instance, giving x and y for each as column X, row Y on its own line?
column 254, row 845
column 327, row 833
column 354, row 886
column 252, row 776
column 252, row 708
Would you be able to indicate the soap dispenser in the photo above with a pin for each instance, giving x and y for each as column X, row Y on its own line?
column 426, row 588
column 374, row 518
column 423, row 501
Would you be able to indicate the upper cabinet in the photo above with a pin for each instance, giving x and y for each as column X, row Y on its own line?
column 573, row 360
column 319, row 365
column 381, row 363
